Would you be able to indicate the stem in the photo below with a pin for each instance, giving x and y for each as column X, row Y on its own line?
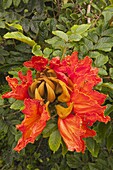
column 88, row 11
column 64, row 51
column 53, row 116
column 58, row 4
column 79, row 9
column 97, row 19
column 5, row 105
column 39, row 144
column 14, row 113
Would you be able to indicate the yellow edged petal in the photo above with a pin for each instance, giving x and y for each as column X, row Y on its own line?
column 62, row 111
column 51, row 84
column 65, row 96
column 50, row 93
column 37, row 95
column 41, row 89
column 33, row 86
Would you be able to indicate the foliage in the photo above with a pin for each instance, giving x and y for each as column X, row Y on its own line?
column 55, row 28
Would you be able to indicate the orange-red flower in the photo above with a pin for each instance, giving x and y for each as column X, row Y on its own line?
column 36, row 62
column 19, row 89
column 64, row 87
column 88, row 108
column 33, row 123
column 72, row 131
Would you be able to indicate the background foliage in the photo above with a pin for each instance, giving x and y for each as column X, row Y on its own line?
column 51, row 28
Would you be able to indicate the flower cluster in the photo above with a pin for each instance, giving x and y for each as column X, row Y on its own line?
column 64, row 89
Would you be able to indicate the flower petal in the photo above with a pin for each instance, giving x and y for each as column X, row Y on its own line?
column 27, row 78
column 86, row 82
column 36, row 62
column 55, row 64
column 73, row 132
column 19, row 91
column 62, row 111
column 88, row 108
column 65, row 96
column 33, row 123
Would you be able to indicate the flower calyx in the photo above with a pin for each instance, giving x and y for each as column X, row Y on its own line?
column 47, row 87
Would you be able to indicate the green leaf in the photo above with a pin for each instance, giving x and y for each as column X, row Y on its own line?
column 93, row 36
column 61, row 34
column 3, row 52
column 75, row 37
column 92, row 146
column 6, row 3
column 16, row 26
column 23, row 48
column 111, row 72
column 111, row 61
column 1, row 122
column 59, row 45
column 92, row 166
column 19, row 36
column 109, row 109
column 74, row 16
column 94, row 54
column 65, row 1
column 102, row 163
column 102, row 72
column 11, row 138
column 13, row 130
column 104, row 1
column 47, row 52
column 5, row 128
column 15, row 122
column 108, row 85
column 60, row 27
column 108, row 32
column 52, row 40
column 14, row 73
column 101, row 60
column 1, row 101
column 68, row 5
column 110, row 161
column 64, row 148
column 88, row 44
column 95, row 6
column 107, row 15
column 18, row 135
column 54, row 140
column 36, row 50
column 50, row 127
column 2, row 60
column 80, row 29
column 101, row 130
column 17, row 105
column 34, row 26
column 111, row 1
column 25, row 24
column 25, row 1
column 11, row 100
column 57, row 53
column 106, row 40
column 110, row 141
column 73, row 161
column 16, row 2
column 2, row 24
column 104, row 46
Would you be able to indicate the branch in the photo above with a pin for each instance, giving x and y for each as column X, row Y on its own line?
column 88, row 11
